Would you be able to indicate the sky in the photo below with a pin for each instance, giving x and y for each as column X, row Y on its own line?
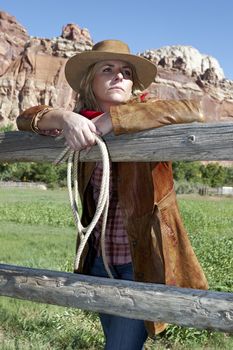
column 206, row 25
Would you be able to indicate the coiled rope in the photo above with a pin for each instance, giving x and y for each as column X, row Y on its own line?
column 102, row 204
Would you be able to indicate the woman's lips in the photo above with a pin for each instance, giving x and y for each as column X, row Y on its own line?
column 116, row 88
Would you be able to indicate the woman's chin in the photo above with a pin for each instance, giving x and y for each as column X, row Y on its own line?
column 118, row 98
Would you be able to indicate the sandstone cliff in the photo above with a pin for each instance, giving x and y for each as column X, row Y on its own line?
column 33, row 68
column 32, row 72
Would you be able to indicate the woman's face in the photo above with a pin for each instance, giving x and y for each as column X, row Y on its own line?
column 112, row 83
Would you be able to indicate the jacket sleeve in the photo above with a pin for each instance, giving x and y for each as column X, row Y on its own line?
column 25, row 120
column 138, row 116
column 28, row 120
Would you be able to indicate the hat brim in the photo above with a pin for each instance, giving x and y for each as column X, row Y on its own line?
column 77, row 66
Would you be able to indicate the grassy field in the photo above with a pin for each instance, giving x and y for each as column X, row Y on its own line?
column 37, row 230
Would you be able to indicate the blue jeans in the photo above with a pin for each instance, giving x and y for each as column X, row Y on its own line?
column 120, row 333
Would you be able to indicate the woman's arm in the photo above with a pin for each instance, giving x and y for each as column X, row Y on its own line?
column 126, row 118
column 139, row 116
column 78, row 131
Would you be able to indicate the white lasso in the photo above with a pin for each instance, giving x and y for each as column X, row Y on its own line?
column 103, row 200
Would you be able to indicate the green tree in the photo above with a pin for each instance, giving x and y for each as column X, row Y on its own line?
column 213, row 174
column 189, row 171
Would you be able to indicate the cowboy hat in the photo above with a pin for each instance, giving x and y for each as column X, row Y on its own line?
column 77, row 65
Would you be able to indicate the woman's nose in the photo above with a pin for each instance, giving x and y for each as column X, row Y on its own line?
column 119, row 75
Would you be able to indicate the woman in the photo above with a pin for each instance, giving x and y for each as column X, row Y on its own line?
column 145, row 237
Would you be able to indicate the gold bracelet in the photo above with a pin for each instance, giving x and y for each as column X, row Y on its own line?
column 38, row 116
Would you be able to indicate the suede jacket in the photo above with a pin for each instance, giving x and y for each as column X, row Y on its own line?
column 160, row 247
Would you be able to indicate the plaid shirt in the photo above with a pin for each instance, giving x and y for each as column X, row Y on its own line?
column 116, row 239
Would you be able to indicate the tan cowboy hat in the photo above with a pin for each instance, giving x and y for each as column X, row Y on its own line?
column 77, row 65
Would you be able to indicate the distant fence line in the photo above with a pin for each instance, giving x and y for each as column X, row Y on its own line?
column 215, row 191
column 202, row 190
column 22, row 184
column 225, row 190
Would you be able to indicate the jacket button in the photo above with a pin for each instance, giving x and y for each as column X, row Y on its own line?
column 134, row 242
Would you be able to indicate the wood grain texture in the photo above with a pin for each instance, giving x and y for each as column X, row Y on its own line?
column 182, row 306
column 194, row 141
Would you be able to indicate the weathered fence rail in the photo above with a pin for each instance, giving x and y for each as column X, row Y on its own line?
column 174, row 142
column 186, row 307
column 182, row 306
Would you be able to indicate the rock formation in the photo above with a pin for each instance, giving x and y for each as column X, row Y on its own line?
column 186, row 59
column 183, row 72
column 32, row 72
column 12, row 40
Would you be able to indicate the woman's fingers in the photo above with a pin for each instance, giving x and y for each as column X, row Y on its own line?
column 79, row 133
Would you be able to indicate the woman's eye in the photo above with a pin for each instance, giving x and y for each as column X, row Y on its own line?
column 128, row 73
column 107, row 69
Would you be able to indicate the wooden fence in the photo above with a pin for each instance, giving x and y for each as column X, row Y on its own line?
column 175, row 142
column 185, row 307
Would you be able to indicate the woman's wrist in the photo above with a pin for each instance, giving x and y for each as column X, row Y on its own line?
column 52, row 118
column 38, row 117
column 104, row 123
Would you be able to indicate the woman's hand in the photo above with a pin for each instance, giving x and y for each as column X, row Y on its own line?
column 78, row 131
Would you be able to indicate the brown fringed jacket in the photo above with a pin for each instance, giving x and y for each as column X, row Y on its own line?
column 160, row 247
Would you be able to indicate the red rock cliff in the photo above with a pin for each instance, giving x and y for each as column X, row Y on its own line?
column 32, row 72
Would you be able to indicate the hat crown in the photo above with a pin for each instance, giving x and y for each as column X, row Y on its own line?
column 115, row 46
column 77, row 66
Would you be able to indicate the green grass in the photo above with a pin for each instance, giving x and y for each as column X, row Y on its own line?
column 210, row 226
column 37, row 230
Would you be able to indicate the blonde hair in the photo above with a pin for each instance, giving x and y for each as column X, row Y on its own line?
column 87, row 100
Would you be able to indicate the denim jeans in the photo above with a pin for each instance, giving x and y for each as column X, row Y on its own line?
column 120, row 333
